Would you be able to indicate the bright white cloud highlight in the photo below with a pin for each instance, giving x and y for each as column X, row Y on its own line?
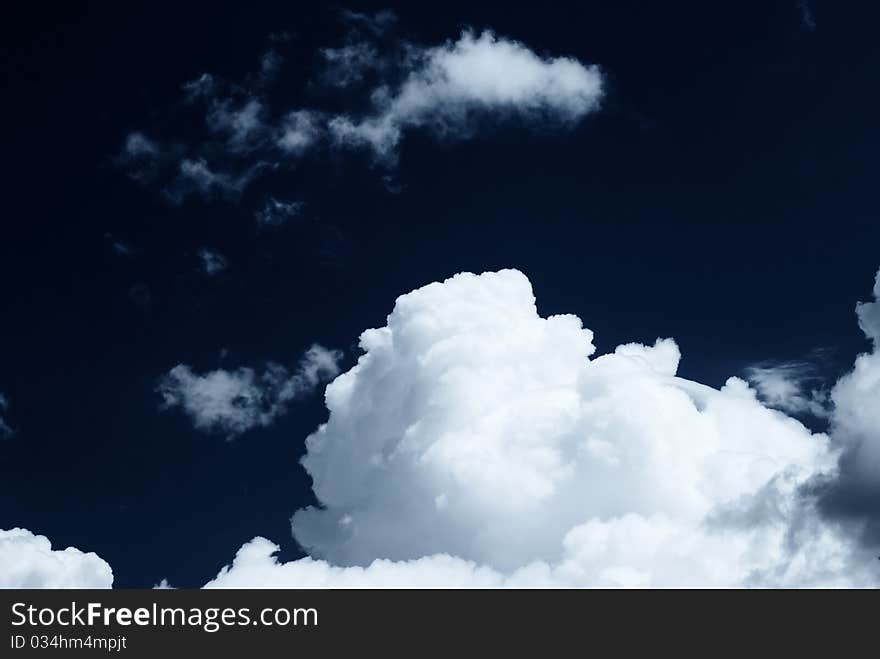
column 232, row 402
column 476, row 443
column 28, row 561
column 449, row 87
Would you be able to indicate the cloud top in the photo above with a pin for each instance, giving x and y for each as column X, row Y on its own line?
column 29, row 561
column 473, row 426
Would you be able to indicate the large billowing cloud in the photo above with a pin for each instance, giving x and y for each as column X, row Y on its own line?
column 449, row 87
column 476, row 443
column 28, row 561
column 855, row 427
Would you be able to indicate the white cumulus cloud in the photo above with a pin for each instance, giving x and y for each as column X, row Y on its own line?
column 449, row 87
column 476, row 443
column 28, row 561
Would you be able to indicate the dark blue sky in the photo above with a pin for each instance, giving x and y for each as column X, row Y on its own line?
column 725, row 195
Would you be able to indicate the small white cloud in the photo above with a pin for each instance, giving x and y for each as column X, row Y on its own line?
column 212, row 262
column 28, row 561
column 163, row 585
column 232, row 402
column 299, row 131
column 448, row 88
column 276, row 212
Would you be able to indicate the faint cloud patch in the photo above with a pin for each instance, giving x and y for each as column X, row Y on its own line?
column 139, row 294
column 119, row 246
column 6, row 430
column 211, row 261
column 807, row 20
column 276, row 212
